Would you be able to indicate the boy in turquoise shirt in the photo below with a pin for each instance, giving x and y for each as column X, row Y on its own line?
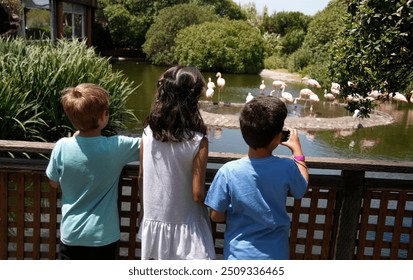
column 87, row 169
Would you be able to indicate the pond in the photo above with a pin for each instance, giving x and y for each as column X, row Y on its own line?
column 388, row 142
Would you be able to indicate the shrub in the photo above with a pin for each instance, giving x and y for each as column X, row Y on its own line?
column 275, row 62
column 32, row 76
column 225, row 45
column 160, row 38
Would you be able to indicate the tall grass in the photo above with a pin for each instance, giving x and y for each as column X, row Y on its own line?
column 32, row 75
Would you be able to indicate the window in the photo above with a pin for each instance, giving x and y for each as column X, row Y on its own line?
column 74, row 21
column 37, row 19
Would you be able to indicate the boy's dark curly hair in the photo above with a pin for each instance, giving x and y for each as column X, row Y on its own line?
column 261, row 120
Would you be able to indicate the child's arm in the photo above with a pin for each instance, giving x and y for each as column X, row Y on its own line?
column 199, row 171
column 140, row 182
column 294, row 145
column 217, row 216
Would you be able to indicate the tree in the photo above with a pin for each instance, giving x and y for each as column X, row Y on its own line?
column 285, row 22
column 314, row 56
column 375, row 50
column 224, row 8
column 129, row 20
column 253, row 17
column 126, row 29
column 225, row 45
column 286, row 32
column 160, row 38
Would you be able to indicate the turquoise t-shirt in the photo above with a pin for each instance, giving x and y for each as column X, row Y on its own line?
column 88, row 170
column 253, row 193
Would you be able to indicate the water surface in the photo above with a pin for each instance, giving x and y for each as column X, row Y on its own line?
column 389, row 142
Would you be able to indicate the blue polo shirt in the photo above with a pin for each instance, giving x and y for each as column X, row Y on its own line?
column 253, row 193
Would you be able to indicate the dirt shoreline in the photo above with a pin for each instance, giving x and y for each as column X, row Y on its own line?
column 281, row 74
column 377, row 118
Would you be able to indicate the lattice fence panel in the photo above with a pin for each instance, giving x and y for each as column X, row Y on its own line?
column 33, row 215
column 313, row 224
column 386, row 227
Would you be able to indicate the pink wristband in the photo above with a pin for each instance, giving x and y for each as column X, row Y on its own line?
column 299, row 158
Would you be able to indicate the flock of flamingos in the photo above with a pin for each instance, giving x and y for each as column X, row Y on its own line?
column 306, row 94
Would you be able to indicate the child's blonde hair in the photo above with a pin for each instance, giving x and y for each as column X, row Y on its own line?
column 84, row 105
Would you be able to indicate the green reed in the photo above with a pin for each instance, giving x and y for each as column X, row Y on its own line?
column 32, row 75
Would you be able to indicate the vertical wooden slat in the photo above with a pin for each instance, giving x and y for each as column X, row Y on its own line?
column 120, row 212
column 398, row 224
column 295, row 219
column 361, row 244
column 350, row 213
column 410, row 250
column 133, row 218
column 3, row 215
column 308, row 252
column 337, row 209
column 20, row 216
column 52, row 223
column 381, row 221
column 328, row 225
column 36, row 215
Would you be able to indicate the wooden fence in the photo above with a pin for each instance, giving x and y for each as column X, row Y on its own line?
column 354, row 209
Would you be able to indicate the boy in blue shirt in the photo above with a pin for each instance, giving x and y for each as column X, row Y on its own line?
column 87, row 169
column 250, row 193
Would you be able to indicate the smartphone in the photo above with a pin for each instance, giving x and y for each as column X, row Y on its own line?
column 285, row 135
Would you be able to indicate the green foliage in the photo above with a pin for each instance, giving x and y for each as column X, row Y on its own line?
column 126, row 29
column 314, row 55
column 299, row 59
column 284, row 22
column 276, row 62
column 20, row 117
column 32, row 75
column 160, row 38
column 272, row 43
column 224, row 8
column 129, row 20
column 284, row 33
column 292, row 41
column 375, row 50
column 253, row 17
column 225, row 45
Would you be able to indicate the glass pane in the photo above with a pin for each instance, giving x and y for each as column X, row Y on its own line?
column 78, row 26
column 67, row 25
column 37, row 23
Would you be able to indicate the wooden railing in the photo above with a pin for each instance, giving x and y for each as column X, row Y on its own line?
column 354, row 208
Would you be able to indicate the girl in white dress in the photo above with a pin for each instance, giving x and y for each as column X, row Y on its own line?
column 173, row 159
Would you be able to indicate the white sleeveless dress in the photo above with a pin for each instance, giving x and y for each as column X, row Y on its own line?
column 174, row 226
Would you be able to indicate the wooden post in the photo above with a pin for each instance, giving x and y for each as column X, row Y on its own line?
column 350, row 214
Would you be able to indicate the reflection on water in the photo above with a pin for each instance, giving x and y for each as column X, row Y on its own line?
column 392, row 142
